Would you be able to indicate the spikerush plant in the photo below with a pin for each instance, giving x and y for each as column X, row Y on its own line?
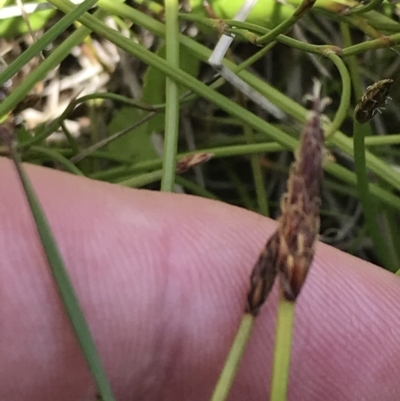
column 272, row 137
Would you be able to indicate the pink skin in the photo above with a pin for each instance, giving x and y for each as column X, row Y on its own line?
column 162, row 279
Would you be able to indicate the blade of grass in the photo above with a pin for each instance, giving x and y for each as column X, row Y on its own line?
column 61, row 276
column 261, row 192
column 344, row 105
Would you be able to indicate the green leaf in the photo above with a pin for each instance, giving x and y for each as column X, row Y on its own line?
column 135, row 143
column 154, row 84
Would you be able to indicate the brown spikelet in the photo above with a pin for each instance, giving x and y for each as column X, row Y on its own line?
column 298, row 225
column 290, row 250
column 263, row 275
column 187, row 162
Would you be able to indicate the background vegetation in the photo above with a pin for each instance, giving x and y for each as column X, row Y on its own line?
column 93, row 90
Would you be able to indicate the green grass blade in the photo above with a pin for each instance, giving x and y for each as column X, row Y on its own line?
column 63, row 281
column 172, row 96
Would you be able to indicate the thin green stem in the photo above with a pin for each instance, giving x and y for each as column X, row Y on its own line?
column 172, row 96
column 220, row 152
column 363, row 190
column 335, row 169
column 250, row 32
column 142, row 180
column 64, row 284
column 225, row 381
column 382, row 140
column 304, row 7
column 351, row 179
column 384, row 41
column 351, row 61
column 283, row 348
column 344, row 105
column 195, row 188
column 261, row 193
column 57, row 156
column 361, row 9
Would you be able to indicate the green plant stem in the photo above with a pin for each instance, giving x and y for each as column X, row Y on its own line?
column 303, row 8
column 365, row 199
column 382, row 140
column 283, row 347
column 195, row 188
column 59, row 158
column 172, row 96
column 385, row 41
column 351, row 179
column 64, row 285
column 220, row 152
column 344, row 105
column 365, row 8
column 250, row 32
column 351, row 61
column 261, row 193
column 142, row 180
column 228, row 373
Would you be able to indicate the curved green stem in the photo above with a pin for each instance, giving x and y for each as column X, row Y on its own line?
column 344, row 99
column 304, row 7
